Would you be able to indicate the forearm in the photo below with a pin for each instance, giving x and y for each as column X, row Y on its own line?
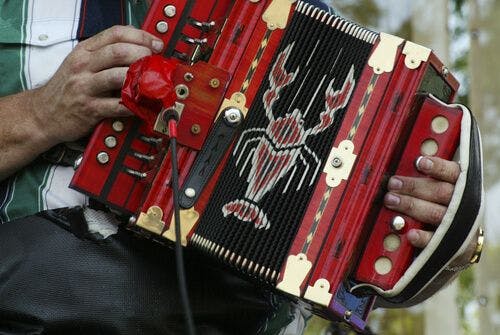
column 22, row 136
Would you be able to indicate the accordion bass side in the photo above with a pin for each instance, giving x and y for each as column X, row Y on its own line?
column 291, row 121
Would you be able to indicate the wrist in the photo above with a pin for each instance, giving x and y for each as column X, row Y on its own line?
column 39, row 111
column 23, row 136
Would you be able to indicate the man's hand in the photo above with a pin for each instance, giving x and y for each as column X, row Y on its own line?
column 426, row 199
column 85, row 89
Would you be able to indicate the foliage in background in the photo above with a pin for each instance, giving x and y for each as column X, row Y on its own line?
column 400, row 321
column 465, row 297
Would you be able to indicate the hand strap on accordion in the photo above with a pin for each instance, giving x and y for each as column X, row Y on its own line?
column 459, row 225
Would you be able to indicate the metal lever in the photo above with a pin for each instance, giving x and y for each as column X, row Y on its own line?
column 194, row 41
column 137, row 174
column 151, row 140
column 143, row 157
column 203, row 26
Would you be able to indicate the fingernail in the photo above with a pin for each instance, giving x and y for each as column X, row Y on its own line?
column 395, row 184
column 157, row 45
column 424, row 163
column 392, row 199
column 413, row 236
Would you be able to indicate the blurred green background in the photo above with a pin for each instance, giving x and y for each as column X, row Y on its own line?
column 465, row 34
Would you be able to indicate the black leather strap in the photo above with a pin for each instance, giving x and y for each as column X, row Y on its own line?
column 64, row 154
column 208, row 159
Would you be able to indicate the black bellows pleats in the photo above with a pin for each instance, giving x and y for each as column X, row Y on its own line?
column 323, row 47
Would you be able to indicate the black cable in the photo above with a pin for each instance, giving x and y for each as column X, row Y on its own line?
column 181, row 275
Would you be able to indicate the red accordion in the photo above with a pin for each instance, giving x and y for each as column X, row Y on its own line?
column 291, row 120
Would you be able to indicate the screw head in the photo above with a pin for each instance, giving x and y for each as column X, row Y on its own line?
column 110, row 142
column 337, row 162
column 170, row 11
column 190, row 192
column 103, row 157
column 182, row 91
column 398, row 223
column 195, row 129
column 162, row 27
column 188, row 76
column 118, row 126
column 238, row 97
column 232, row 115
column 214, row 83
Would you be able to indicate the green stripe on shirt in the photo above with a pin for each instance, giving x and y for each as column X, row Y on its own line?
column 22, row 76
column 25, row 199
column 136, row 12
column 12, row 32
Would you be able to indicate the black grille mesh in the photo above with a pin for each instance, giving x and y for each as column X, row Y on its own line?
column 324, row 47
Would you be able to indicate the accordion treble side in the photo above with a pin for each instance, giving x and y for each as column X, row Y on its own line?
column 292, row 120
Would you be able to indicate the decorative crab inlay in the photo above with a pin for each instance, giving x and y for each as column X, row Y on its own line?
column 275, row 151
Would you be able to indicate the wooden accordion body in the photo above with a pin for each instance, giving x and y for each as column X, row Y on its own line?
column 292, row 120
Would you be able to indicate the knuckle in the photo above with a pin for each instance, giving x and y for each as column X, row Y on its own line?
column 118, row 52
column 436, row 215
column 93, row 108
column 408, row 204
column 72, row 83
column 410, row 185
column 78, row 62
column 80, row 102
column 444, row 192
column 90, row 106
column 75, row 84
column 455, row 171
column 445, row 171
column 116, row 32
column 144, row 52
column 118, row 77
column 146, row 39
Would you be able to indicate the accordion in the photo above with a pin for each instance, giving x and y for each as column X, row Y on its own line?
column 291, row 121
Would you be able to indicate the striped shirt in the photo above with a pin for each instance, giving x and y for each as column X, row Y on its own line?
column 35, row 38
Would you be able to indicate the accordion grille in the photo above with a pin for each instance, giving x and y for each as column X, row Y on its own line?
column 264, row 190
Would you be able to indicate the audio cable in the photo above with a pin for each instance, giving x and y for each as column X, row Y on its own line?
column 171, row 116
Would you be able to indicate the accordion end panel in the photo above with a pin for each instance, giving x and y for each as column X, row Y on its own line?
column 402, row 130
